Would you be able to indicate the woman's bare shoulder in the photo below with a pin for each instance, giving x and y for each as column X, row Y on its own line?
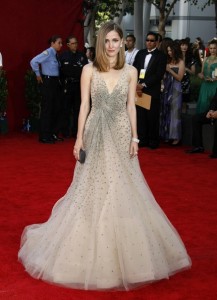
column 132, row 70
column 88, row 69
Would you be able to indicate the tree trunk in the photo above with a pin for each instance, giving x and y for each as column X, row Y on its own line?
column 120, row 17
column 162, row 23
column 92, row 32
column 89, row 27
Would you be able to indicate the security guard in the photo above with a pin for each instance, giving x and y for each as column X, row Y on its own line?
column 46, row 67
column 72, row 62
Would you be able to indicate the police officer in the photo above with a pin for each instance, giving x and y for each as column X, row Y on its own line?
column 72, row 62
column 46, row 67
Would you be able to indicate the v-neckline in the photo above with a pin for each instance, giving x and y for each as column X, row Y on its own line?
column 116, row 84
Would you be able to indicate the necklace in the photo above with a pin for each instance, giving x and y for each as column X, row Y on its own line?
column 211, row 58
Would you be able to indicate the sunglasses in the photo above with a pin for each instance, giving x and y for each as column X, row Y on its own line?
column 152, row 41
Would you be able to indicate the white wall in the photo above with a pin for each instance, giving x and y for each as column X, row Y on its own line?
column 186, row 21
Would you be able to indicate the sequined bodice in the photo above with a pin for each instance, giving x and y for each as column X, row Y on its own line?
column 103, row 99
column 108, row 118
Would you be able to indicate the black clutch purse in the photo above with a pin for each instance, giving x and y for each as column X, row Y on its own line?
column 82, row 156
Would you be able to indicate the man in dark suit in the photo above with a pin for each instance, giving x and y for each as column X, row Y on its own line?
column 209, row 117
column 151, row 66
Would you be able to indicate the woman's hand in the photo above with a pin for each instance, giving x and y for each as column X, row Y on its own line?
column 212, row 114
column 139, row 88
column 39, row 79
column 200, row 75
column 168, row 69
column 133, row 149
column 77, row 147
column 210, row 79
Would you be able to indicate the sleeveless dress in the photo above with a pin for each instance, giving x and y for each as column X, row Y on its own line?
column 208, row 88
column 171, row 107
column 107, row 232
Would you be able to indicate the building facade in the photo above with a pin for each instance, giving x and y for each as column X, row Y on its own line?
column 185, row 20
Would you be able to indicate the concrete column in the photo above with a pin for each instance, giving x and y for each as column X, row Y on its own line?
column 182, row 23
column 146, row 19
column 138, row 23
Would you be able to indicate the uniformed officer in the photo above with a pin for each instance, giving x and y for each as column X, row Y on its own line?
column 46, row 67
column 72, row 62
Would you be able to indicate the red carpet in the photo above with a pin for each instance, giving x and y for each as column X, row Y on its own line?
column 34, row 176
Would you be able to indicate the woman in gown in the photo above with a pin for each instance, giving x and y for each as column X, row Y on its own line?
column 171, row 100
column 189, row 61
column 107, row 232
column 209, row 76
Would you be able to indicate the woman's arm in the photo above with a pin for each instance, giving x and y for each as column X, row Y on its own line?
column 201, row 74
column 86, row 77
column 191, row 70
column 178, row 76
column 131, row 109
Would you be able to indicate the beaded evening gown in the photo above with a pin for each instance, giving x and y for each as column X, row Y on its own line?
column 107, row 232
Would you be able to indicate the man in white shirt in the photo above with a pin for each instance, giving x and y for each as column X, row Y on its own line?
column 151, row 66
column 131, row 50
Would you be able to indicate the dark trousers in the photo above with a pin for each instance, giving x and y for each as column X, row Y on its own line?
column 148, row 123
column 197, row 123
column 71, row 108
column 50, row 108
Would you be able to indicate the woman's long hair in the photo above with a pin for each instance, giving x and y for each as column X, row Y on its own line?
column 101, row 61
column 189, row 52
column 176, row 53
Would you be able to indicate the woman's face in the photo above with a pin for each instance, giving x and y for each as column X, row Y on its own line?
column 169, row 52
column 213, row 49
column 73, row 44
column 113, row 43
column 184, row 47
column 57, row 45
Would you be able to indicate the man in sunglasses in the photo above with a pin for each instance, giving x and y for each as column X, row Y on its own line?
column 151, row 66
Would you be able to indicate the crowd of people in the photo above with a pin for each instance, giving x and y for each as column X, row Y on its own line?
column 165, row 68
column 168, row 81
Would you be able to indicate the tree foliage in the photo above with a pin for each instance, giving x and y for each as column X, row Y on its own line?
column 202, row 5
column 98, row 11
column 164, row 7
column 110, row 8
